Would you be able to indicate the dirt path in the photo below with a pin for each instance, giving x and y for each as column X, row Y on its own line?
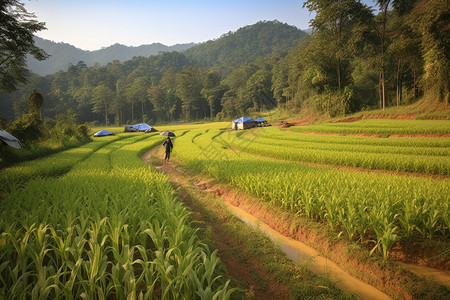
column 318, row 263
column 248, row 271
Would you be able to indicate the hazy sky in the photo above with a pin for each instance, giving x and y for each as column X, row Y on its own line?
column 93, row 24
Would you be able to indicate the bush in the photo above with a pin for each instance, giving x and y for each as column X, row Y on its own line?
column 42, row 138
column 28, row 129
column 65, row 127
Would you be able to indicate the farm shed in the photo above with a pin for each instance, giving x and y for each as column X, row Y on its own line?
column 243, row 123
column 261, row 122
column 142, row 127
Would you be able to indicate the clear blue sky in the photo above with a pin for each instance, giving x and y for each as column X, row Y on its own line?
column 93, row 24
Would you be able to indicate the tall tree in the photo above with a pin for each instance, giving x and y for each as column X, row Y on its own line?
column 335, row 21
column 383, row 6
column 405, row 49
column 102, row 97
column 119, row 102
column 17, row 27
column 433, row 22
column 189, row 86
column 35, row 103
column 258, row 90
column 157, row 97
column 137, row 91
column 213, row 92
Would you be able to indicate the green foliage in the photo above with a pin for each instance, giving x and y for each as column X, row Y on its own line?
column 16, row 41
column 111, row 227
column 42, row 138
column 432, row 20
column 378, row 210
column 35, row 103
column 245, row 45
column 28, row 129
column 66, row 127
column 354, row 60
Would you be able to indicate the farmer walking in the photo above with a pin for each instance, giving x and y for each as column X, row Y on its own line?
column 169, row 146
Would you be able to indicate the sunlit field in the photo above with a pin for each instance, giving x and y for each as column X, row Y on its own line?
column 97, row 220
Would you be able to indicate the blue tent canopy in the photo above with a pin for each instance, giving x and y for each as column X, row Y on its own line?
column 139, row 127
column 260, row 120
column 103, row 133
column 244, row 120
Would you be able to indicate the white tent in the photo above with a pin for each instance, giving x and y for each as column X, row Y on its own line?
column 10, row 140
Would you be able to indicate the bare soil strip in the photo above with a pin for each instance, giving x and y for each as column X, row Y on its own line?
column 422, row 135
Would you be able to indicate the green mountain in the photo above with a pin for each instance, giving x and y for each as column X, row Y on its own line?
column 228, row 51
column 62, row 55
column 246, row 44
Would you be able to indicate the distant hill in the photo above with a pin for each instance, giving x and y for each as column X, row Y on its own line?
column 228, row 51
column 246, row 44
column 62, row 55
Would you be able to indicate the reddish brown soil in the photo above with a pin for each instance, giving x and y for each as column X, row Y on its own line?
column 344, row 134
column 302, row 121
column 420, row 135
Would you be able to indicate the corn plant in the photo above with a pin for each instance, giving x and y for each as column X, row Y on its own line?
column 111, row 227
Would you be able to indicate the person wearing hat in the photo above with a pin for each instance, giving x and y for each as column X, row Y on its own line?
column 169, row 146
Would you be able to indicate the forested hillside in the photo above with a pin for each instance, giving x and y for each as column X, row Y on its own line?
column 62, row 55
column 233, row 49
column 354, row 60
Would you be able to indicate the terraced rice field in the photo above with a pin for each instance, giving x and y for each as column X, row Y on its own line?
column 376, row 207
column 95, row 220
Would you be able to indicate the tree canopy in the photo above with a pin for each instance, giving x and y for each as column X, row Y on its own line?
column 354, row 59
column 17, row 28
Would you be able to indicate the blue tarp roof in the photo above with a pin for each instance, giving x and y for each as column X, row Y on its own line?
column 260, row 120
column 141, row 126
column 243, row 120
column 103, row 133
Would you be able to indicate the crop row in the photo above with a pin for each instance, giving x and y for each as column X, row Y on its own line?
column 54, row 165
column 281, row 134
column 378, row 209
column 382, row 127
column 437, row 161
column 109, row 228
column 391, row 149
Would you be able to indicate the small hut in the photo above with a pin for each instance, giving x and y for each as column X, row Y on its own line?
column 243, row 123
column 261, row 122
